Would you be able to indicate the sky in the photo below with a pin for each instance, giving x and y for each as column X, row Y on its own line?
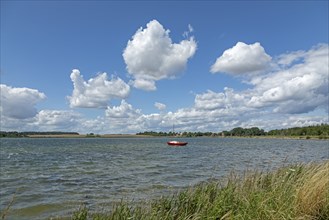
column 132, row 66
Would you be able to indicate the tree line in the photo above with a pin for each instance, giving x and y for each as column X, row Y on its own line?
column 244, row 132
column 27, row 133
column 234, row 132
column 184, row 134
column 315, row 130
column 321, row 130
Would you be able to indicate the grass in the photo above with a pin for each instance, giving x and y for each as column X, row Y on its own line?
column 296, row 192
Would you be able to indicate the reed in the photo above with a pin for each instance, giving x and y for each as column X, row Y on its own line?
column 296, row 192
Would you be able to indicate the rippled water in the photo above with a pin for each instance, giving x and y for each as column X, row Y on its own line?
column 52, row 177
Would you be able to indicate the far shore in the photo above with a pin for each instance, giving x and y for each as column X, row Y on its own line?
column 88, row 136
column 150, row 136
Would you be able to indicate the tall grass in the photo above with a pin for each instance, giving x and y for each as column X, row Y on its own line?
column 296, row 192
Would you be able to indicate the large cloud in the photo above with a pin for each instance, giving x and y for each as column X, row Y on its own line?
column 242, row 58
column 124, row 110
column 96, row 92
column 211, row 100
column 296, row 88
column 63, row 120
column 46, row 120
column 124, row 118
column 19, row 103
column 150, row 55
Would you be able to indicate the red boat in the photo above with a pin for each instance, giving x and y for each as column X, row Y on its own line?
column 176, row 143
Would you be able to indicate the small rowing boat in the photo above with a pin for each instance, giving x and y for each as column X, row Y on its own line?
column 176, row 143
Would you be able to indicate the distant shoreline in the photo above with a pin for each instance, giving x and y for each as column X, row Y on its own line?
column 88, row 136
column 172, row 137
column 310, row 132
column 306, row 137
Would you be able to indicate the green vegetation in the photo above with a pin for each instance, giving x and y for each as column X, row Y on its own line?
column 92, row 135
column 184, row 134
column 16, row 134
column 296, row 192
column 244, row 132
column 318, row 131
column 12, row 134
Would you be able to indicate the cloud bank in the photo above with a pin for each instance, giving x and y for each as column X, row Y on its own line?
column 298, row 88
column 51, row 120
column 284, row 96
column 96, row 92
column 151, row 55
column 293, row 91
column 19, row 103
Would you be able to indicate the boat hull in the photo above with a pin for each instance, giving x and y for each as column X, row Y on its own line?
column 176, row 143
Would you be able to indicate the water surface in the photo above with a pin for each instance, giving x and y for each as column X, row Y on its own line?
column 52, row 177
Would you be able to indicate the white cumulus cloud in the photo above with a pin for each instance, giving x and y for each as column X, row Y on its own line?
column 242, row 58
column 50, row 120
column 19, row 103
column 124, row 110
column 212, row 100
column 297, row 88
column 124, row 118
column 151, row 55
column 96, row 92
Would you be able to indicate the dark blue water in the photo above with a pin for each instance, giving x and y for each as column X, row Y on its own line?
column 53, row 177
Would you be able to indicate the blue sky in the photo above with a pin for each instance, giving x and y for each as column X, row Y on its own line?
column 131, row 66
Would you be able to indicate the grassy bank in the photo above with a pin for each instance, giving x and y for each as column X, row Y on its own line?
column 296, row 192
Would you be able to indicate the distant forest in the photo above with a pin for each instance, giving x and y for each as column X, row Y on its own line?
column 321, row 131
column 316, row 130
column 27, row 133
